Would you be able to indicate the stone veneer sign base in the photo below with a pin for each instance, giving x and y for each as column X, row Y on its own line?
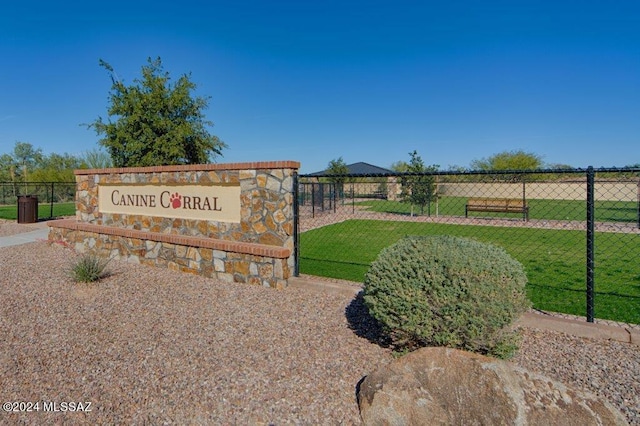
column 233, row 222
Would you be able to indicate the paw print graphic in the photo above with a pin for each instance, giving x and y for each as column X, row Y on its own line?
column 176, row 200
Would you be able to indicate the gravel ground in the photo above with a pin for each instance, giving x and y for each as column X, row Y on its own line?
column 608, row 369
column 152, row 346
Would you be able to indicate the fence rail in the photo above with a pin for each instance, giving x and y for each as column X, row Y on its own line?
column 579, row 239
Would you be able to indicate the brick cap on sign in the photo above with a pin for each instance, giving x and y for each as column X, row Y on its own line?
column 257, row 165
column 182, row 240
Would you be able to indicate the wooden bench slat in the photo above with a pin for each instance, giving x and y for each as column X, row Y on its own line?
column 497, row 205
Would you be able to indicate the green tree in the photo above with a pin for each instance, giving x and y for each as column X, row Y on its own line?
column 96, row 159
column 509, row 160
column 56, row 168
column 153, row 122
column 418, row 187
column 400, row 166
column 7, row 168
column 338, row 167
column 18, row 166
column 26, row 158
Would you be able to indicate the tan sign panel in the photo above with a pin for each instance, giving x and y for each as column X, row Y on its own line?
column 203, row 202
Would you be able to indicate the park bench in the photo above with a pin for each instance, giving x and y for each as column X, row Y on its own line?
column 497, row 205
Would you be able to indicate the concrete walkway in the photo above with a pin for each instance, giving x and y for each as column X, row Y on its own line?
column 25, row 237
column 533, row 319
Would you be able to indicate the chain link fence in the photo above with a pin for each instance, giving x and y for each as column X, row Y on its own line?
column 53, row 197
column 576, row 231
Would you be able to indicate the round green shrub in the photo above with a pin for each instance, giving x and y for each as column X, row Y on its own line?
column 447, row 291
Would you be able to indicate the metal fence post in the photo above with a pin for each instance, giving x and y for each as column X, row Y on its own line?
column 313, row 199
column 296, row 222
column 51, row 201
column 335, row 196
column 590, row 243
column 524, row 197
column 353, row 199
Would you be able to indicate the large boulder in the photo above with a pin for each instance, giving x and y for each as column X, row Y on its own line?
column 440, row 386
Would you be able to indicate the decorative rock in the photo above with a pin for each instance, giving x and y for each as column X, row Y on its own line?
column 273, row 184
column 447, row 386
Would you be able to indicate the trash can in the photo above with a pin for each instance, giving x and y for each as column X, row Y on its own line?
column 27, row 209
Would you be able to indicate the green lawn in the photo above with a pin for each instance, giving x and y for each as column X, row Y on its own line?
column 606, row 211
column 553, row 259
column 44, row 210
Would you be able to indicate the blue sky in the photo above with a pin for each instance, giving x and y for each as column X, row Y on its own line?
column 365, row 81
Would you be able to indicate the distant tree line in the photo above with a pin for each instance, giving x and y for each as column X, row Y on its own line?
column 27, row 164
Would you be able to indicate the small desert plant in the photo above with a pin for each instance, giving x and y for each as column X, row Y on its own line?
column 89, row 268
column 447, row 291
